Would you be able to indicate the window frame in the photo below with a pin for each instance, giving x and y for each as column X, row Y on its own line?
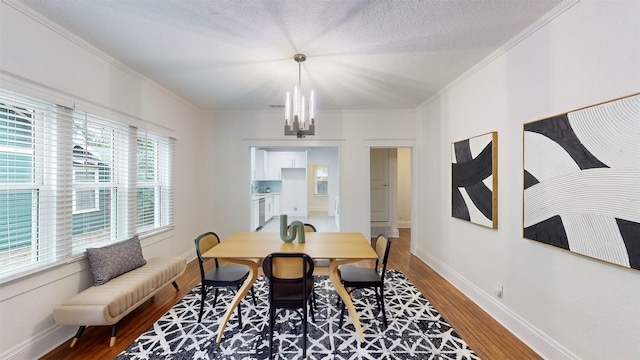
column 50, row 196
column 86, row 186
column 320, row 179
column 161, row 181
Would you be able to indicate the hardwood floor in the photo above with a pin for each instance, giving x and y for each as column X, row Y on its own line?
column 483, row 334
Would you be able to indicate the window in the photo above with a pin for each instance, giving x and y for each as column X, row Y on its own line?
column 322, row 180
column 153, row 181
column 85, row 199
column 68, row 181
column 18, row 191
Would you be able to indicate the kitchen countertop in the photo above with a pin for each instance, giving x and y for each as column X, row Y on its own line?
column 258, row 196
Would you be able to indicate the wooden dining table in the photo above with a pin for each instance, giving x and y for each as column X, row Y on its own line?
column 249, row 248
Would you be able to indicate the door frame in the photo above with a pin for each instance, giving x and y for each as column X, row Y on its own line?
column 410, row 144
column 295, row 144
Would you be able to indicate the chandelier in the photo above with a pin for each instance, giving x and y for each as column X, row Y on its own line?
column 297, row 121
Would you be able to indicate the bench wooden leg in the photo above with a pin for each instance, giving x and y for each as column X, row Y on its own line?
column 175, row 285
column 114, row 330
column 77, row 336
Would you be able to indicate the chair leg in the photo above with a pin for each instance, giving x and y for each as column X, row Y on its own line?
column 311, row 310
column 253, row 296
column 215, row 299
column 304, row 329
column 313, row 297
column 239, row 316
column 377, row 297
column 239, row 311
column 384, row 313
column 272, row 316
column 77, row 336
column 114, row 330
column 203, row 295
column 342, row 306
column 313, row 293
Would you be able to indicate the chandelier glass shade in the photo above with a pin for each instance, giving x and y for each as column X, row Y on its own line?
column 299, row 116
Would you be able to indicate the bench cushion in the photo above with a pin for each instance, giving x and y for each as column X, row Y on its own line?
column 108, row 303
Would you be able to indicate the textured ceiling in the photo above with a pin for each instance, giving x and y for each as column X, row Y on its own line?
column 234, row 55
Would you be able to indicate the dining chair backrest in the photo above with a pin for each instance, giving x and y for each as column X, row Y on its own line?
column 287, row 266
column 204, row 243
column 307, row 228
column 382, row 245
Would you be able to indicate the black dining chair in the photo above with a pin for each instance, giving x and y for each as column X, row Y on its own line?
column 225, row 276
column 290, row 279
column 318, row 264
column 354, row 277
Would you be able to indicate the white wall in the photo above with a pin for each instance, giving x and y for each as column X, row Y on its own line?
column 54, row 65
column 561, row 303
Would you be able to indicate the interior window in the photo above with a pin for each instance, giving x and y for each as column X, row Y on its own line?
column 322, row 180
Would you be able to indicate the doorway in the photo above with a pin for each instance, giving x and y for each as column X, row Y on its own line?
column 390, row 194
column 301, row 182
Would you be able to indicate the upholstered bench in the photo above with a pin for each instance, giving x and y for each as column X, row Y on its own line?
column 116, row 295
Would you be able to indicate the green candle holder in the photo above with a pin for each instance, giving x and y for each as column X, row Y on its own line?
column 288, row 233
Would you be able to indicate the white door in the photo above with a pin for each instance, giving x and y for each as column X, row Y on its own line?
column 379, row 184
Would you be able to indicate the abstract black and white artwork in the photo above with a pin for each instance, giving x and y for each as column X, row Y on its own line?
column 474, row 180
column 582, row 181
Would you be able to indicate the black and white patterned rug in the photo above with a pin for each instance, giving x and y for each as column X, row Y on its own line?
column 415, row 330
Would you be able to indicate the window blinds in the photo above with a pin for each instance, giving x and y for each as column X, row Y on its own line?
column 71, row 180
column 154, row 181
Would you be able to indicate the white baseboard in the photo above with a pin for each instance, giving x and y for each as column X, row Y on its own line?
column 537, row 340
column 40, row 344
column 404, row 224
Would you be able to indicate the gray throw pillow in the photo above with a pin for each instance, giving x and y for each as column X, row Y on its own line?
column 114, row 260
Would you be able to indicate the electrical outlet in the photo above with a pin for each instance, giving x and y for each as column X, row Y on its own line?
column 498, row 290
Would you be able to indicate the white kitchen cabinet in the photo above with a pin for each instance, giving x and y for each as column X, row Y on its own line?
column 260, row 167
column 275, row 164
column 277, row 160
column 255, row 220
column 297, row 159
column 276, row 205
column 268, row 207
